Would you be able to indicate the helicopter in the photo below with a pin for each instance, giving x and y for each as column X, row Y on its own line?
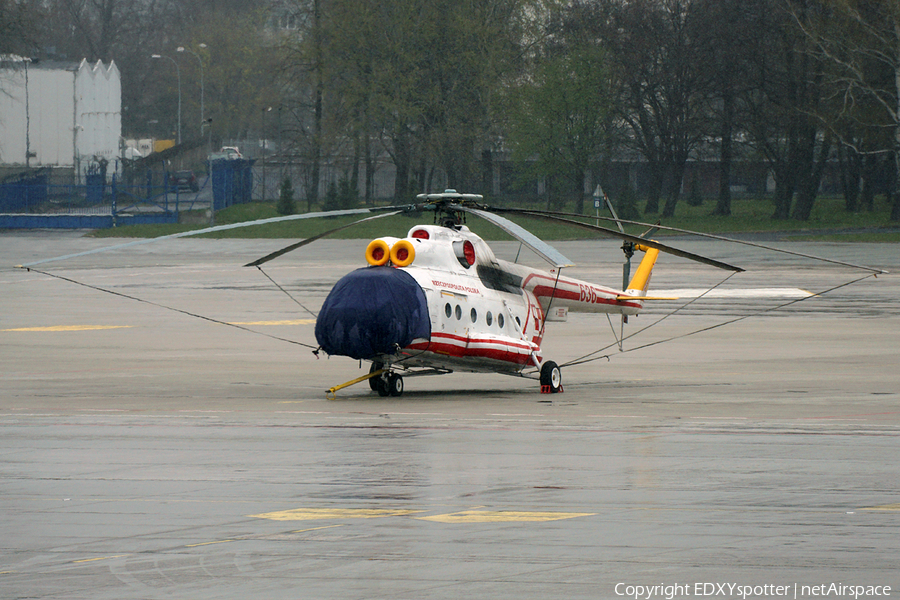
column 439, row 301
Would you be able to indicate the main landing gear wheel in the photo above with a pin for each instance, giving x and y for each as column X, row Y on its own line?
column 551, row 378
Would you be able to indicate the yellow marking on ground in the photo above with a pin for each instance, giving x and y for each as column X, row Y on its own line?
column 502, row 516
column 208, row 543
column 291, row 322
column 312, row 514
column 99, row 558
column 884, row 507
column 70, row 328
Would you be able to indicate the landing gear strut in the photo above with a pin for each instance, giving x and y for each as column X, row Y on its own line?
column 551, row 378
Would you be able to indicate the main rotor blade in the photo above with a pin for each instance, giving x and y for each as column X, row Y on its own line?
column 711, row 236
column 331, row 213
column 630, row 238
column 540, row 247
column 310, row 240
column 612, row 211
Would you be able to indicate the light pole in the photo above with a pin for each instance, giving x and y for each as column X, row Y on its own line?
column 197, row 56
column 264, row 148
column 178, row 74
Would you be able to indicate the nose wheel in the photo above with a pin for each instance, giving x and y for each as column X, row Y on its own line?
column 391, row 385
column 388, row 384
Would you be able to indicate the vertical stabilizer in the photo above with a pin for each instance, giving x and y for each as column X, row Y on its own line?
column 641, row 280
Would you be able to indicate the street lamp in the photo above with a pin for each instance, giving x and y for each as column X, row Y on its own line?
column 264, row 148
column 197, row 56
column 178, row 73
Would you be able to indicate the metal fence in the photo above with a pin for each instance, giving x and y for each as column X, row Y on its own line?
column 41, row 198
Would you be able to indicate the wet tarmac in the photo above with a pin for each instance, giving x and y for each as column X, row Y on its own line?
column 149, row 453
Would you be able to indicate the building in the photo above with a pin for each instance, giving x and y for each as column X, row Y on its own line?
column 57, row 114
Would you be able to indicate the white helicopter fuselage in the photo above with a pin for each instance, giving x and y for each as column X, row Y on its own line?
column 488, row 314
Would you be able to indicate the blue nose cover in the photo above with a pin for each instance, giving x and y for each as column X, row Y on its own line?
column 372, row 311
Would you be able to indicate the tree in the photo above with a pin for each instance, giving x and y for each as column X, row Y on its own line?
column 415, row 77
column 783, row 101
column 285, row 204
column 18, row 26
column 726, row 39
column 560, row 118
column 662, row 87
column 860, row 42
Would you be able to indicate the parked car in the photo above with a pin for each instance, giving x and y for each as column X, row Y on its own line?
column 231, row 152
column 183, row 181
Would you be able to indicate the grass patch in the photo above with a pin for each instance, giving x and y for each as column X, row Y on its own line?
column 748, row 215
column 870, row 237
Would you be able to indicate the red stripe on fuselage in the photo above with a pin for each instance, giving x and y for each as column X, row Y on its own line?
column 562, row 289
column 505, row 350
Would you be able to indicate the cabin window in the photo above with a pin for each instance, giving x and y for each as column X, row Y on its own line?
column 489, row 318
column 474, row 314
column 448, row 310
column 458, row 312
column 500, row 321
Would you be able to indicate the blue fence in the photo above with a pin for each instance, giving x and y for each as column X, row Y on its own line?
column 32, row 201
column 232, row 181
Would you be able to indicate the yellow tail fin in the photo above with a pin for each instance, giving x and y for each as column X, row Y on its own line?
column 641, row 280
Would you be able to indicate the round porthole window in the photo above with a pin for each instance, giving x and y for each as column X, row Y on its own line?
column 474, row 314
column 489, row 318
column 500, row 321
column 458, row 312
column 448, row 310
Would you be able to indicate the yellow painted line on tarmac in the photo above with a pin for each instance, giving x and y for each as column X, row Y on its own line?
column 883, row 507
column 70, row 328
column 290, row 322
column 502, row 516
column 208, row 543
column 85, row 560
column 312, row 514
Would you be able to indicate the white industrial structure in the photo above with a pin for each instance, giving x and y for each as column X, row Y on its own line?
column 55, row 114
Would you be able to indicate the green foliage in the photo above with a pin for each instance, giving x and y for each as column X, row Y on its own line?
column 626, row 205
column 331, row 201
column 286, row 204
column 347, row 195
column 419, row 75
column 559, row 120
column 695, row 196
